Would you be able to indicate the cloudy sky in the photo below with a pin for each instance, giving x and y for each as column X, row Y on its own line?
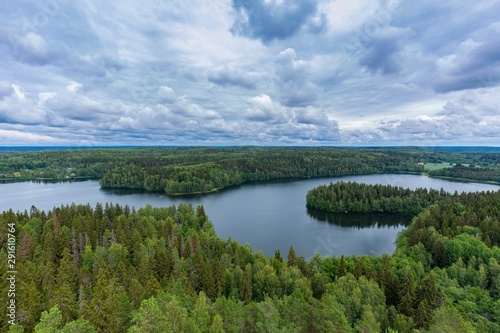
column 250, row 72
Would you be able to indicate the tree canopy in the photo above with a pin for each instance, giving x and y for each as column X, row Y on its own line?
column 111, row 268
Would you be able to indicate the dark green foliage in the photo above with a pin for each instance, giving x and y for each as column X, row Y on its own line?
column 201, row 170
column 362, row 198
column 113, row 269
column 471, row 172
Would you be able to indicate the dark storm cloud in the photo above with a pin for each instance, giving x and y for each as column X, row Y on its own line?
column 274, row 19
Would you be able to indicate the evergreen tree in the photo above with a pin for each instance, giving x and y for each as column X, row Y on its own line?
column 246, row 285
column 407, row 293
column 292, row 257
column 342, row 267
column 217, row 325
column 367, row 323
column 80, row 325
column 149, row 318
column 423, row 314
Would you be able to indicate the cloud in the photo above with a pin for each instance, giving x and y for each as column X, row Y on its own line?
column 252, row 72
column 268, row 20
column 271, row 120
column 18, row 137
column 474, row 64
column 33, row 49
column 381, row 52
column 310, row 115
column 232, row 77
column 292, row 78
column 264, row 110
column 467, row 118
column 166, row 94
column 6, row 89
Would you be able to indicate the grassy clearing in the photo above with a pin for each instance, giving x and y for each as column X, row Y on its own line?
column 437, row 166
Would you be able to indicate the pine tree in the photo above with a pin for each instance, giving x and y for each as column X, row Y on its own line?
column 360, row 268
column 388, row 281
column 136, row 292
column 246, row 285
column 292, row 257
column 80, row 325
column 341, row 271
column 423, row 314
column 150, row 318
column 200, row 315
column 109, row 307
column 367, row 323
column 407, row 293
column 216, row 326
column 66, row 300
column 277, row 255
column 430, row 293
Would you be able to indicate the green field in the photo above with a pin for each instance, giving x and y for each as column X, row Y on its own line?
column 437, row 166
column 442, row 165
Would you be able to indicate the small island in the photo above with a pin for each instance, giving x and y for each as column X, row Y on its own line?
column 352, row 197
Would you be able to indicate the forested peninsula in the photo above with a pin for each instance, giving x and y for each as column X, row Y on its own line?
column 110, row 268
column 187, row 170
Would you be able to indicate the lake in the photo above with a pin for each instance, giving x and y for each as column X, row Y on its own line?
column 268, row 216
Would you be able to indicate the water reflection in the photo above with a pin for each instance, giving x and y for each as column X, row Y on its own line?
column 360, row 220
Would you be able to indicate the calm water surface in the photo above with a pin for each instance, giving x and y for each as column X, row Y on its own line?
column 268, row 216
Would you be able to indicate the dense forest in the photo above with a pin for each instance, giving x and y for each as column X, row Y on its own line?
column 471, row 172
column 201, row 170
column 115, row 269
column 362, row 198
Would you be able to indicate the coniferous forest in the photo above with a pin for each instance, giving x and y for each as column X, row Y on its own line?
column 362, row 198
column 113, row 268
column 202, row 170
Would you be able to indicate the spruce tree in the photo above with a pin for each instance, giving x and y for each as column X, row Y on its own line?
column 292, row 257
column 407, row 293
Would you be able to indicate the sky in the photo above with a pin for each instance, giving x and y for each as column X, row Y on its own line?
column 250, row 72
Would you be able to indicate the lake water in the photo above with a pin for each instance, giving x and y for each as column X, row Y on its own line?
column 268, row 216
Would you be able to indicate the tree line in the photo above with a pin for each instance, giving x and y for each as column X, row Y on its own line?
column 185, row 170
column 471, row 172
column 113, row 268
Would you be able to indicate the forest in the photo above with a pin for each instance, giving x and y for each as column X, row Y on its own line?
column 470, row 172
column 187, row 170
column 352, row 197
column 110, row 268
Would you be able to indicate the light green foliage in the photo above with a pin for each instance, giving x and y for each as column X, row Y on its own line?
column 216, row 326
column 448, row 320
column 16, row 329
column 367, row 323
column 149, row 318
column 50, row 321
column 80, row 325
column 355, row 294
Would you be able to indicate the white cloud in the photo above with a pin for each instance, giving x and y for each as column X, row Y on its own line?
column 18, row 137
column 33, row 48
column 380, row 72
